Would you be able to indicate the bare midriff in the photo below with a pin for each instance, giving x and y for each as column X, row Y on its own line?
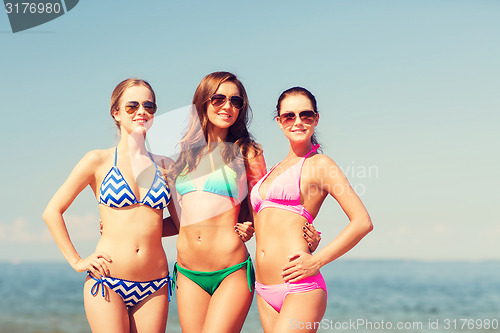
column 209, row 244
column 279, row 234
column 131, row 236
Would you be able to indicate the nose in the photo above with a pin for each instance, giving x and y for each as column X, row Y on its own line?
column 227, row 104
column 141, row 109
column 297, row 121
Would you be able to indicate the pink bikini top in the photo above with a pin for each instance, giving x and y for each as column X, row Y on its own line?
column 284, row 191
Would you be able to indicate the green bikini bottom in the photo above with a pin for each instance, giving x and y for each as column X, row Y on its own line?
column 210, row 281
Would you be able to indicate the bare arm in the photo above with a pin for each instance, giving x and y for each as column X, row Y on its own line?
column 301, row 264
column 255, row 169
column 171, row 224
column 81, row 176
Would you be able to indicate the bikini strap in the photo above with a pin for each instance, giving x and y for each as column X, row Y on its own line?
column 116, row 153
column 174, row 279
column 314, row 149
column 169, row 286
column 95, row 288
column 151, row 157
column 250, row 273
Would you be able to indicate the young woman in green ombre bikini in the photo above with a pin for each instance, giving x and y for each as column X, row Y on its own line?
column 218, row 165
column 214, row 273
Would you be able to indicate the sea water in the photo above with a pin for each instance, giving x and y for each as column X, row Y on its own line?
column 363, row 296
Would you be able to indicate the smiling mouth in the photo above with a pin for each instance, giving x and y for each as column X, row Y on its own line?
column 224, row 115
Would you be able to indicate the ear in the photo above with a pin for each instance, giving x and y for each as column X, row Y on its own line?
column 317, row 120
column 116, row 116
column 279, row 122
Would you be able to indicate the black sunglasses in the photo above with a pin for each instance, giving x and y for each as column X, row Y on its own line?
column 133, row 106
column 218, row 100
column 307, row 117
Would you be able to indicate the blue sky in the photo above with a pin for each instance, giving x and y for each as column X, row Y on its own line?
column 407, row 92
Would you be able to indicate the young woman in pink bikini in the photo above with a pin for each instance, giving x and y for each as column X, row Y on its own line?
column 289, row 286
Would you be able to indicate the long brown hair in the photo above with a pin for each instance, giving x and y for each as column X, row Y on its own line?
column 194, row 141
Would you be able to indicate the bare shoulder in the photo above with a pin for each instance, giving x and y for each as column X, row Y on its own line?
column 91, row 165
column 255, row 156
column 321, row 168
column 322, row 161
column 251, row 150
column 256, row 163
column 97, row 157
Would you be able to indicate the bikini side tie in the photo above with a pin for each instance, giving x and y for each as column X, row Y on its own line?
column 95, row 288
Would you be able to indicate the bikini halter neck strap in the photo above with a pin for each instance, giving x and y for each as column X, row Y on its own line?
column 314, row 149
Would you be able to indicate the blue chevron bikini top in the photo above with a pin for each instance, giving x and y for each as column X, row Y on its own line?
column 115, row 191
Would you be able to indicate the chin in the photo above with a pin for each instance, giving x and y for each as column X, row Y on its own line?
column 223, row 124
column 299, row 137
column 140, row 129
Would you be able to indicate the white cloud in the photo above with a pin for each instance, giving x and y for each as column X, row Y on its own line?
column 22, row 231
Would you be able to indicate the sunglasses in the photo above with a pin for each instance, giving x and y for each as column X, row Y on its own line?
column 307, row 117
column 132, row 106
column 219, row 100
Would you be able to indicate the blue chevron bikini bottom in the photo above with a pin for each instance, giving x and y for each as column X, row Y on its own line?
column 131, row 292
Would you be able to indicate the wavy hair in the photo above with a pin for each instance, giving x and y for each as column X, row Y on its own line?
column 193, row 143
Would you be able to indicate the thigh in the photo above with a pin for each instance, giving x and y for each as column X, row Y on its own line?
column 192, row 304
column 302, row 312
column 268, row 316
column 150, row 315
column 105, row 314
column 229, row 304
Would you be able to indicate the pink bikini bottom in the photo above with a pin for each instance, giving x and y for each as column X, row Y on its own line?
column 275, row 294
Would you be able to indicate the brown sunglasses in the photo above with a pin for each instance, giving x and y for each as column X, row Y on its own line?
column 133, row 106
column 307, row 117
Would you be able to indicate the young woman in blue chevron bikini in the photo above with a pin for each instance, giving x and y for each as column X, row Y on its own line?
column 127, row 287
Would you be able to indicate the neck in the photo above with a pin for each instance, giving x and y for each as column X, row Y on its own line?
column 216, row 134
column 134, row 143
column 299, row 149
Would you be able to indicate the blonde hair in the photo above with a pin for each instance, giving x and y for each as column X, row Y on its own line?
column 120, row 89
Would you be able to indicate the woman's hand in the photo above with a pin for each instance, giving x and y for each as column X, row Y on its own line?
column 300, row 266
column 244, row 230
column 96, row 264
column 312, row 236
